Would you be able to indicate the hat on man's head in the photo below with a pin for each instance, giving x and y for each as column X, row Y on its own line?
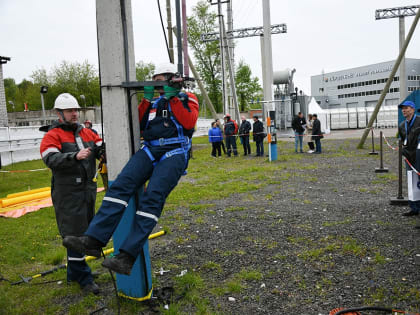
column 407, row 103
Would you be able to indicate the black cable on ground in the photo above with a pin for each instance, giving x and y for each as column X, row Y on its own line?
column 3, row 278
column 115, row 286
column 372, row 308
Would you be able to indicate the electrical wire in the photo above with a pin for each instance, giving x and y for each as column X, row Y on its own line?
column 164, row 33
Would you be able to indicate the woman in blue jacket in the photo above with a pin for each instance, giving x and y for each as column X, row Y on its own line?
column 215, row 138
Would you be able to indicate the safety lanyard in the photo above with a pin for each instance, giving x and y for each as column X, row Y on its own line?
column 407, row 129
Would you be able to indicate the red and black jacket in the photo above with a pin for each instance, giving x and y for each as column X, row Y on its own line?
column 59, row 150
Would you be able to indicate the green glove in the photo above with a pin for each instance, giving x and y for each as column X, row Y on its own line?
column 149, row 92
column 171, row 91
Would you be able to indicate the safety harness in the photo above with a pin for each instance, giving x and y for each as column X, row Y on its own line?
column 183, row 140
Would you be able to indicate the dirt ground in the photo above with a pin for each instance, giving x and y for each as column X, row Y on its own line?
column 323, row 236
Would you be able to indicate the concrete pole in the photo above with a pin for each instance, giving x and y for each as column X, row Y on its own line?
column 390, row 79
column 264, row 79
column 117, row 65
column 268, row 59
column 43, row 109
column 222, row 57
column 185, row 37
column 170, row 37
column 403, row 76
column 4, row 121
column 112, row 66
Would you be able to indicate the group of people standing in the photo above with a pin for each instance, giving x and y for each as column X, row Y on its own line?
column 312, row 128
column 229, row 132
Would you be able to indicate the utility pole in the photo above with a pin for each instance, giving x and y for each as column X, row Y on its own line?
column 268, row 61
column 179, row 35
column 222, row 56
column 247, row 32
column 4, row 121
column 117, row 64
column 231, row 52
column 400, row 13
column 185, row 38
column 231, row 78
column 170, row 37
column 389, row 81
column 390, row 13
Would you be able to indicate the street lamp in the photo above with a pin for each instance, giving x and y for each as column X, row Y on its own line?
column 44, row 90
column 13, row 105
column 83, row 98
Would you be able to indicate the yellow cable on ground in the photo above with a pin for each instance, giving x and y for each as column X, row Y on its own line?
column 111, row 250
column 12, row 201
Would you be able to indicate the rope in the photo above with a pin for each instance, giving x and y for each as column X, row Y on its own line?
column 411, row 166
column 388, row 144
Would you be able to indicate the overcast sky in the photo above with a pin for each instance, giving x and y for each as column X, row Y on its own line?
column 327, row 35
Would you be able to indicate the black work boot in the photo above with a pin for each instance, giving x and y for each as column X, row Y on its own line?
column 84, row 245
column 121, row 263
column 91, row 288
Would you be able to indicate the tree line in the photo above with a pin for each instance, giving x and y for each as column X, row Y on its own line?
column 82, row 79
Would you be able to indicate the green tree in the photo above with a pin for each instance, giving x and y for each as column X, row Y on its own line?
column 247, row 87
column 144, row 71
column 206, row 54
column 77, row 79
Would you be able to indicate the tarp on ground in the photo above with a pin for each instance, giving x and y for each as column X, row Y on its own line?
column 19, row 210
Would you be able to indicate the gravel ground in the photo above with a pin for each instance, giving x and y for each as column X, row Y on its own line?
column 322, row 236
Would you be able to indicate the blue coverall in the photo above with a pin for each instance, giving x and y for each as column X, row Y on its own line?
column 158, row 161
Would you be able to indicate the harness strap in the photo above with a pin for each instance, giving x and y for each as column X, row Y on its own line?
column 165, row 141
column 181, row 139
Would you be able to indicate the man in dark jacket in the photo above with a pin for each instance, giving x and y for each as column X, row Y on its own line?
column 166, row 124
column 244, row 130
column 69, row 150
column 258, row 135
column 299, row 125
column 409, row 131
column 231, row 129
column 317, row 133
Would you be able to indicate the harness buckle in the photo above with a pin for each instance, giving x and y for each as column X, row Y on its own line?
column 161, row 141
column 165, row 113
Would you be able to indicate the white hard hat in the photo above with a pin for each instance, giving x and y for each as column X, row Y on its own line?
column 165, row 68
column 65, row 101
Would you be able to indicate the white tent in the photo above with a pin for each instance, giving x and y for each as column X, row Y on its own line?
column 314, row 108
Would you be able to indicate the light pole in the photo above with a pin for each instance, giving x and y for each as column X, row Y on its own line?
column 13, row 105
column 44, row 90
column 83, row 98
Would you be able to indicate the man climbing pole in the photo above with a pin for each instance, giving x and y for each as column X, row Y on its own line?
column 69, row 150
column 166, row 125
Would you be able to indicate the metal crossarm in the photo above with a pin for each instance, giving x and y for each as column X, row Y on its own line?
column 396, row 12
column 245, row 32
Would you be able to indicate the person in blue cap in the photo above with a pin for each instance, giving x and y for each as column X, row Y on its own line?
column 409, row 131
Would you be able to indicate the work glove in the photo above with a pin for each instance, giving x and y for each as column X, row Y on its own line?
column 171, row 91
column 149, row 92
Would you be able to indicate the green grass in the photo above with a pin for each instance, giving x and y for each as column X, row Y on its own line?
column 31, row 244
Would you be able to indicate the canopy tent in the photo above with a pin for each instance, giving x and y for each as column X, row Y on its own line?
column 314, row 108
